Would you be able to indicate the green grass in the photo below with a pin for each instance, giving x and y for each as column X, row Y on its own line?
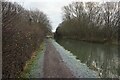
column 32, row 61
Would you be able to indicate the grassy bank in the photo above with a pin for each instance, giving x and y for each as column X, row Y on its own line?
column 113, row 42
column 32, row 62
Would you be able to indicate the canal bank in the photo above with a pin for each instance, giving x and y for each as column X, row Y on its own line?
column 53, row 61
column 78, row 69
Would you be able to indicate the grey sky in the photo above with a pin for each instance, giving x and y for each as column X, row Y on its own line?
column 53, row 8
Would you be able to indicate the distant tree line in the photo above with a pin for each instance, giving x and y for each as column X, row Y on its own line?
column 22, row 33
column 90, row 21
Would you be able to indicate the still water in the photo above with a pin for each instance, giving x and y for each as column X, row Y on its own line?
column 102, row 58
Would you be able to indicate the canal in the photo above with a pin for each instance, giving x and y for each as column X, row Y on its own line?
column 102, row 58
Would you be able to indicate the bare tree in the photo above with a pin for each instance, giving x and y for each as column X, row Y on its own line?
column 91, row 21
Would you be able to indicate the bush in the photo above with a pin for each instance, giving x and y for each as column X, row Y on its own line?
column 22, row 35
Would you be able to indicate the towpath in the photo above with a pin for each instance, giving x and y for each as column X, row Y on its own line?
column 54, row 67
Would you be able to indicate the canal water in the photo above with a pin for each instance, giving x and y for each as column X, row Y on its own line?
column 103, row 58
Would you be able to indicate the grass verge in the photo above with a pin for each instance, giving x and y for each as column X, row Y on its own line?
column 30, row 63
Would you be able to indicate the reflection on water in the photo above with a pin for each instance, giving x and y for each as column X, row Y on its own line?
column 99, row 57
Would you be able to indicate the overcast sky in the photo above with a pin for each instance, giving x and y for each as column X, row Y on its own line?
column 53, row 8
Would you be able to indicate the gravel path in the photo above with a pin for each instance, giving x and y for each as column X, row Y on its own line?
column 78, row 69
column 54, row 67
column 56, row 62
